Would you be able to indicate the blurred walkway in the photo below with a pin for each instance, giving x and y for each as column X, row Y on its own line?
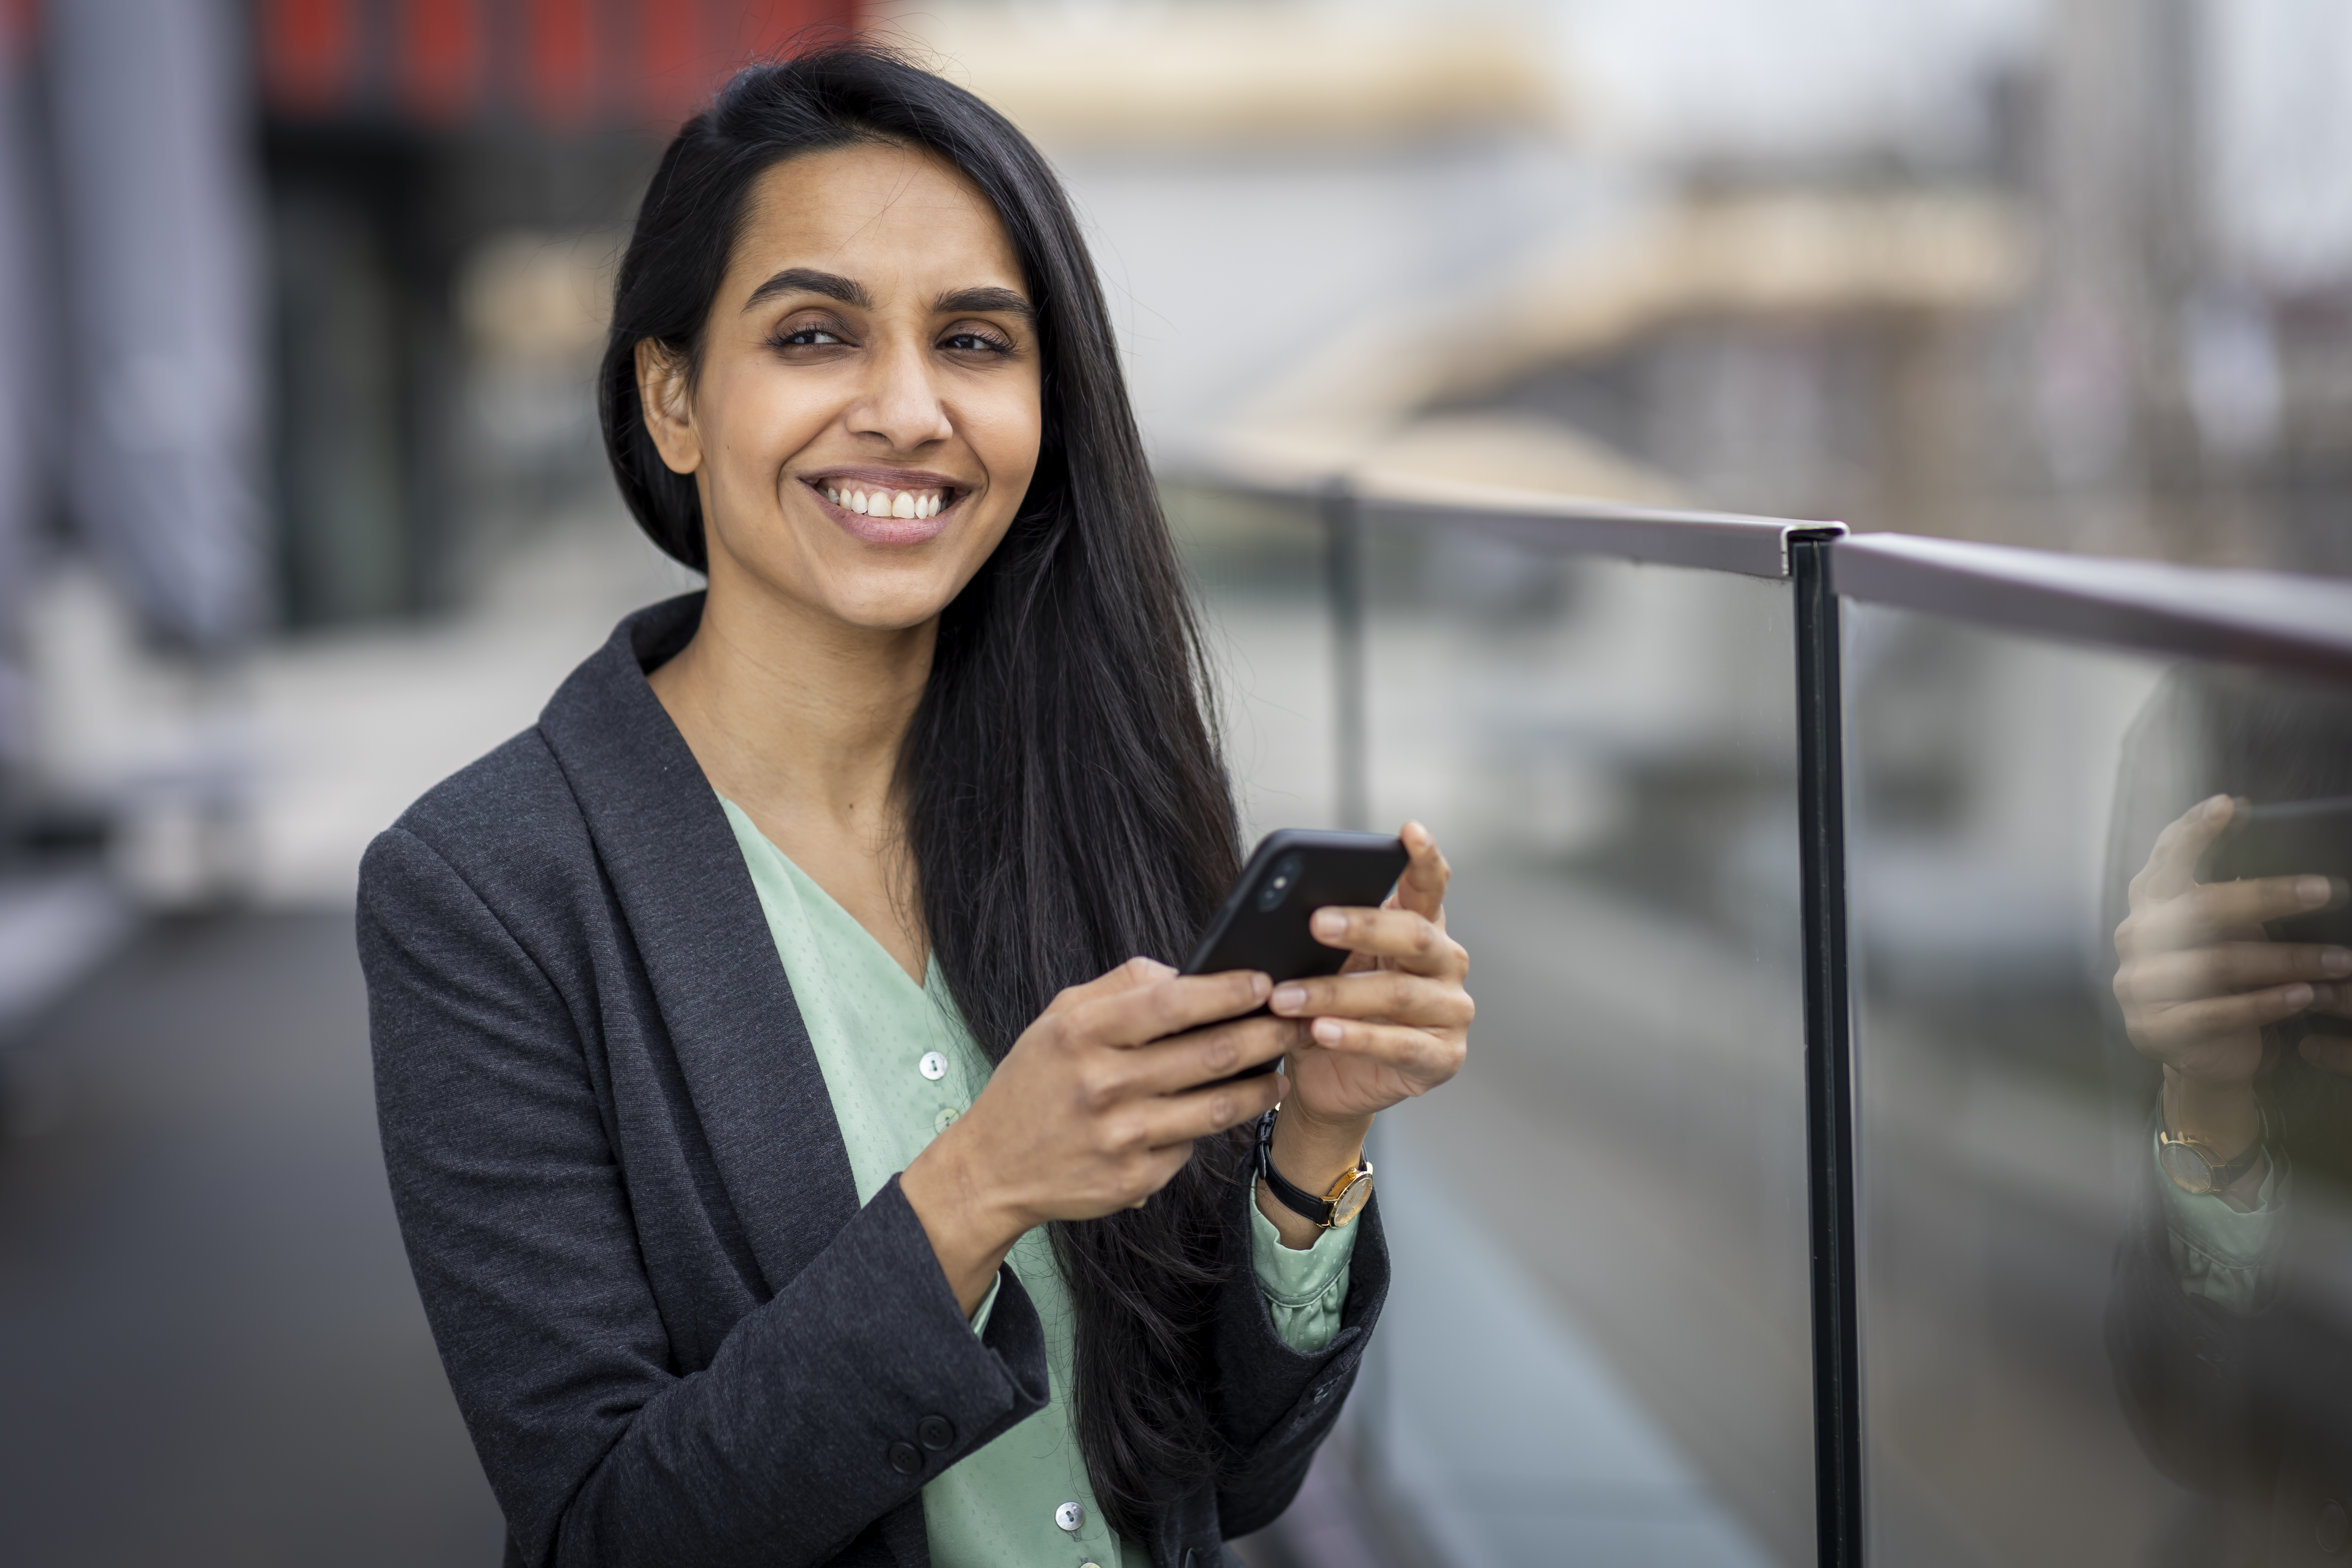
column 210, row 1349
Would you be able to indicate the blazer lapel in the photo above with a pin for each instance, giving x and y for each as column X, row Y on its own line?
column 683, row 888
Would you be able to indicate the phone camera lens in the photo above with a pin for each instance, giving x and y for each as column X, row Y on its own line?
column 1277, row 887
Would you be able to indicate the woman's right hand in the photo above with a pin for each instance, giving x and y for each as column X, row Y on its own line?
column 2200, row 978
column 1093, row 1110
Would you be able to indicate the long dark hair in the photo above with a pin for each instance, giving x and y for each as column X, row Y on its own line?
column 1067, row 805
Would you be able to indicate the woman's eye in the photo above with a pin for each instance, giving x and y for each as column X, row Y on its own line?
column 808, row 337
column 975, row 342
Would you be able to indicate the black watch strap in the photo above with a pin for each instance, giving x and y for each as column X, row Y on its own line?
column 1296, row 1199
column 2229, row 1175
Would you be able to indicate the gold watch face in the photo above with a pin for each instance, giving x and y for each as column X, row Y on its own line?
column 1350, row 1202
column 2187, row 1166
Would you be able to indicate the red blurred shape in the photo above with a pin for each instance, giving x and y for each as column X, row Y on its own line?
column 674, row 64
column 780, row 27
column 562, row 62
column 308, row 51
column 20, row 26
column 440, row 58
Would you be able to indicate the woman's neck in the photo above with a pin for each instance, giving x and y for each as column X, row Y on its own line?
column 798, row 719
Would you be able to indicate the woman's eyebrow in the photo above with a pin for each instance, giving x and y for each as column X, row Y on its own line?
column 1003, row 300
column 808, row 280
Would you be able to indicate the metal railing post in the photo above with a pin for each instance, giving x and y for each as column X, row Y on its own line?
column 1831, row 1199
column 1344, row 579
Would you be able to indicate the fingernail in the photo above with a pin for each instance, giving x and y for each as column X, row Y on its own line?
column 1258, row 982
column 1286, row 998
column 2216, row 807
column 2313, row 890
column 2297, row 995
column 1329, row 922
column 1326, row 1030
column 2336, row 959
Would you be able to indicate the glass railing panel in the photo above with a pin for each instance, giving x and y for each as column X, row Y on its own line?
column 1260, row 567
column 2070, row 1358
column 1598, row 1347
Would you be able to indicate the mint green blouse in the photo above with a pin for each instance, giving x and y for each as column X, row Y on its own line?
column 899, row 1066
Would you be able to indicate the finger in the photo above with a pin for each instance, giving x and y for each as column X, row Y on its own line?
column 1424, row 1059
column 2189, row 1023
column 1412, row 940
column 1203, row 1113
column 1395, row 994
column 1168, row 1005
column 2335, row 1000
column 1136, row 972
column 2329, row 1053
column 2227, row 967
column 1189, row 1060
column 2218, row 908
column 2171, row 869
column 1421, row 888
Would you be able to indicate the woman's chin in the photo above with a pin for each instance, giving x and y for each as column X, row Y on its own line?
column 889, row 606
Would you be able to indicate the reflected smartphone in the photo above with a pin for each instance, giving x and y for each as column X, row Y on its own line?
column 1294, row 872
column 2292, row 838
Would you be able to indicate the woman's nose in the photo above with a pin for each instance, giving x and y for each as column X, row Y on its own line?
column 900, row 403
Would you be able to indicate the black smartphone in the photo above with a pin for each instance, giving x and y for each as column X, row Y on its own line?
column 1294, row 872
column 2290, row 838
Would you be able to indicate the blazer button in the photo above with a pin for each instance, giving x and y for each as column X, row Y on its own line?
column 904, row 1459
column 1070, row 1517
column 936, row 1431
column 934, row 1065
column 2335, row 1531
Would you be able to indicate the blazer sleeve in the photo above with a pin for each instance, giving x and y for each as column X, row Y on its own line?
column 821, row 1409
column 1276, row 1405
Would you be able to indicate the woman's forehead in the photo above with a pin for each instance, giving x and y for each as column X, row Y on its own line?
column 884, row 214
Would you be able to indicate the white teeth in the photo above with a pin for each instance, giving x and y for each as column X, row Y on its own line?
column 887, row 503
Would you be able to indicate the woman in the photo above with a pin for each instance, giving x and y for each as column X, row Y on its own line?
column 744, row 1030
column 2232, row 1045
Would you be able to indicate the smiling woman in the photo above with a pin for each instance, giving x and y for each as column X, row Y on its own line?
column 806, row 1151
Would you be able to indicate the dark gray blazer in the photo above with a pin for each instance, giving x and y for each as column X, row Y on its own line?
column 675, row 1335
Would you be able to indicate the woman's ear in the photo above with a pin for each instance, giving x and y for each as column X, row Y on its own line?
column 662, row 396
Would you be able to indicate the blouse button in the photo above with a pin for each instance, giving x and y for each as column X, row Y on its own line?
column 945, row 1118
column 1070, row 1517
column 934, row 1065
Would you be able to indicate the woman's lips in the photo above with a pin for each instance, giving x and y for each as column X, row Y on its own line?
column 884, row 528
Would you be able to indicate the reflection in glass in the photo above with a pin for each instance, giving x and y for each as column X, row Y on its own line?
column 2099, row 918
column 2228, row 877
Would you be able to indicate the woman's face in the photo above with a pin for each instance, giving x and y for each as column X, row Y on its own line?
column 865, row 420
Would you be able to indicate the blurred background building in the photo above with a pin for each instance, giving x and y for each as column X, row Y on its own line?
column 301, row 504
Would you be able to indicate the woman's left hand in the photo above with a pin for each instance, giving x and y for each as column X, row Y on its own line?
column 1394, row 1021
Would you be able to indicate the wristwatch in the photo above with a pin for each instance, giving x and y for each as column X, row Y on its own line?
column 1336, row 1209
column 2193, row 1167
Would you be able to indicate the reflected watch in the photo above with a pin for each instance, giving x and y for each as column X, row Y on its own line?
column 2190, row 1164
column 1336, row 1209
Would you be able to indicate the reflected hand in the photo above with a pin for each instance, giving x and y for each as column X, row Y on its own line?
column 1394, row 1023
column 2200, row 978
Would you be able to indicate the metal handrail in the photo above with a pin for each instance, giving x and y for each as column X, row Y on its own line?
column 2261, row 618
column 1708, row 541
